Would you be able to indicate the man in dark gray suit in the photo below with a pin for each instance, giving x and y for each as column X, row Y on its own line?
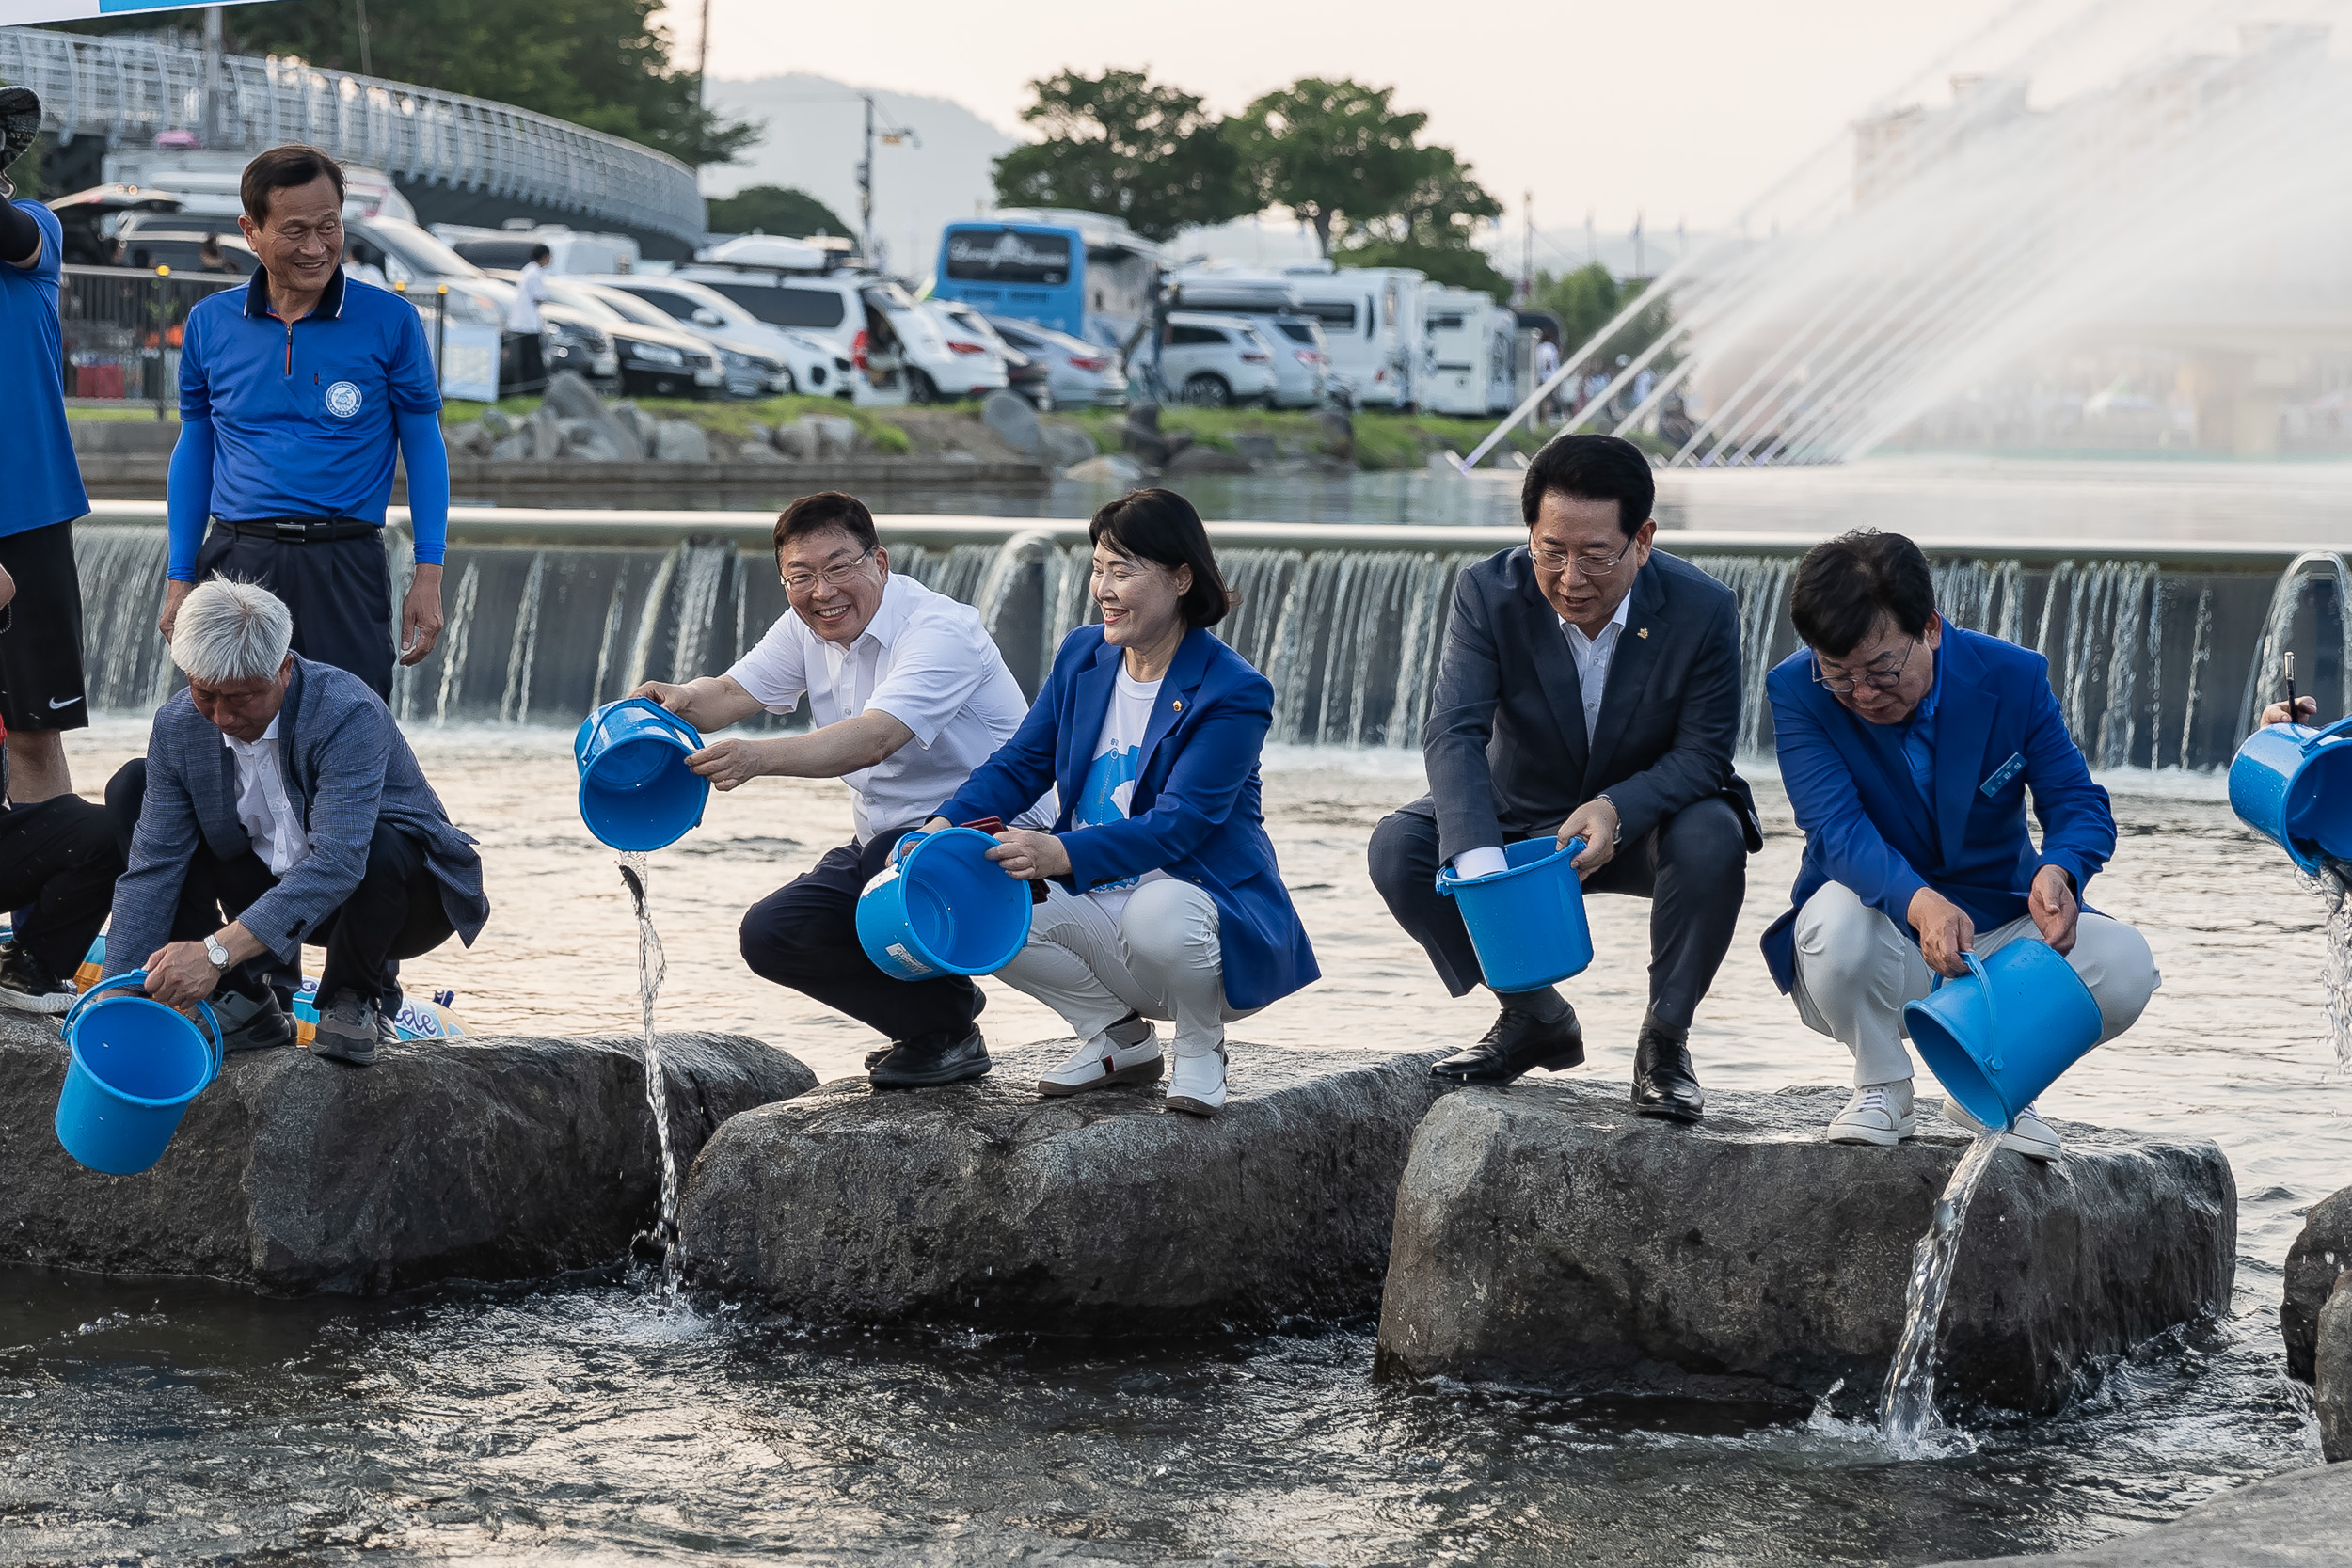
column 278, row 805
column 1590, row 689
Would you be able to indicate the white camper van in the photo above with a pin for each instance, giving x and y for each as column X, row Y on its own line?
column 1371, row 327
column 1471, row 338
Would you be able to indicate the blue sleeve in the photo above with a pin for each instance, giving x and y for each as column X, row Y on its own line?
column 415, row 385
column 2078, row 823
column 188, row 494
column 427, row 458
column 1221, row 752
column 1821, row 789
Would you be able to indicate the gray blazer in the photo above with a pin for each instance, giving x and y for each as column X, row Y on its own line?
column 1504, row 746
column 347, row 769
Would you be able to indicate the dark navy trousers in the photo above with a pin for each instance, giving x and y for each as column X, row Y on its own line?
column 805, row 935
column 340, row 592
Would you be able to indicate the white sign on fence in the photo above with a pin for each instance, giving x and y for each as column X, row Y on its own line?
column 470, row 362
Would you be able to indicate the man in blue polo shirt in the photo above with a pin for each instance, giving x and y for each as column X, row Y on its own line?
column 294, row 391
column 41, row 487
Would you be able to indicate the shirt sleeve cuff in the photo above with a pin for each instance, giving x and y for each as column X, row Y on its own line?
column 924, row 732
column 1482, row 862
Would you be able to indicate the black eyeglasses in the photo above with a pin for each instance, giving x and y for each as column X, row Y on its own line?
column 1877, row 680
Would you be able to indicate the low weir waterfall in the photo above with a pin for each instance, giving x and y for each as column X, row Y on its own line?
column 2153, row 667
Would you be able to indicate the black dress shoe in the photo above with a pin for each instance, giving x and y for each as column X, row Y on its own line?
column 932, row 1060
column 1664, row 1082
column 1518, row 1043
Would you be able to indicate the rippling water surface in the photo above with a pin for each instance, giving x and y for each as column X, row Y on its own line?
column 577, row 1420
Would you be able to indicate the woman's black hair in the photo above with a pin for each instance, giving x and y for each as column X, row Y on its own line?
column 1161, row 526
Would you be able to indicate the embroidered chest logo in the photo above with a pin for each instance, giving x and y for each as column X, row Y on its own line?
column 342, row 400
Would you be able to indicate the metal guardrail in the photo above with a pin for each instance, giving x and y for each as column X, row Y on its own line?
column 135, row 88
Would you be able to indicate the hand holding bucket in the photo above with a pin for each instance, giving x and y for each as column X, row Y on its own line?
column 1526, row 922
column 2009, row 1030
column 2293, row 784
column 132, row 1067
column 942, row 906
column 636, row 791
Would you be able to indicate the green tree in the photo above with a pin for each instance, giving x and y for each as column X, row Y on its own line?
column 774, row 210
column 1125, row 146
column 1432, row 228
column 604, row 64
column 1334, row 153
column 1587, row 298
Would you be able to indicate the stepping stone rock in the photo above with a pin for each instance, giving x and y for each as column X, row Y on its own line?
column 2301, row 1519
column 1099, row 1213
column 679, row 441
column 1547, row 1236
column 483, row 1157
column 1014, row 422
column 2331, row 1379
column 2321, row 1256
column 1061, row 446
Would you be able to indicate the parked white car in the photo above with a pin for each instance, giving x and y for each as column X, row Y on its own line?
column 1215, row 361
column 856, row 312
column 815, row 367
column 570, row 250
column 1084, row 375
column 946, row 360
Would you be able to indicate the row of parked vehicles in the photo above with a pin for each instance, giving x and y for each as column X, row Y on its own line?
column 1062, row 308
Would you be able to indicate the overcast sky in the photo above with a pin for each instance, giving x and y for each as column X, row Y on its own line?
column 1683, row 111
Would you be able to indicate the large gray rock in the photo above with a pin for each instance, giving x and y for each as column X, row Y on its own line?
column 1547, row 1236
column 1061, row 446
column 2301, row 1519
column 1099, row 1213
column 1015, row 422
column 544, row 429
column 590, row 441
column 483, row 1157
column 571, row 397
column 680, row 441
column 2321, row 1256
column 2332, row 1392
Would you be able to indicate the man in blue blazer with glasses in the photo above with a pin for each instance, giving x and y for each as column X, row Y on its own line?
column 1910, row 748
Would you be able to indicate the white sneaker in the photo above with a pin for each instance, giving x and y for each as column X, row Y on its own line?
column 2030, row 1136
column 1878, row 1114
column 1101, row 1063
column 1197, row 1087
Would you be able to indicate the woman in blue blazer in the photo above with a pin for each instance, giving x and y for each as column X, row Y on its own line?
column 1163, row 900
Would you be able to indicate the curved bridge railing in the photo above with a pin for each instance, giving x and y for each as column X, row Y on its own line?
column 132, row 89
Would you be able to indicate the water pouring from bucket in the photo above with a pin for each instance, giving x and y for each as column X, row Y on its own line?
column 133, row 1067
column 636, row 791
column 2009, row 1029
column 2292, row 782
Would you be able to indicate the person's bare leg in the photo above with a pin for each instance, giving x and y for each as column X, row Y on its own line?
column 36, row 766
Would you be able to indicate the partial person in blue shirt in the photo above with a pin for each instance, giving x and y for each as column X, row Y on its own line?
column 1910, row 748
column 1162, row 896
column 294, row 391
column 41, row 652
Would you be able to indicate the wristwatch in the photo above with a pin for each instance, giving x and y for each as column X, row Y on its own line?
column 215, row 951
column 1616, row 833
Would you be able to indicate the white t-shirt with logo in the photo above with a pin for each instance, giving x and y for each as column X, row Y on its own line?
column 1110, row 781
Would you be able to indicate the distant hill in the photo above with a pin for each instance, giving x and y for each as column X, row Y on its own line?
column 816, row 128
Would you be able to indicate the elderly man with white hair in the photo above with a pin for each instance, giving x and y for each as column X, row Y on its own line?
column 278, row 805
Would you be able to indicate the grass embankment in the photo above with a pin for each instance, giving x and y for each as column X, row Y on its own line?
column 1382, row 441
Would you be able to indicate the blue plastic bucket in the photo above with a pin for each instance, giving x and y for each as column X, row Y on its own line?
column 2293, row 784
column 1998, row 1038
column 636, row 791
column 1527, row 921
column 942, row 907
column 132, row 1067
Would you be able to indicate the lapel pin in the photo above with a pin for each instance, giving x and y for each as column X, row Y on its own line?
column 1642, row 632
column 1179, row 707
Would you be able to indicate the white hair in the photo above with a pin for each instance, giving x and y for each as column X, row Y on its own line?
column 230, row 632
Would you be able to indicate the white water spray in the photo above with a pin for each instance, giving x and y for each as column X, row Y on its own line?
column 1907, row 1408
column 651, row 967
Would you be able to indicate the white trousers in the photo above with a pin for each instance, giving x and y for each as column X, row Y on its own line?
column 1159, row 959
column 1856, row 968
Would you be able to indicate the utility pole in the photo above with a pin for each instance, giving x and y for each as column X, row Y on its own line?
column 891, row 137
column 214, row 66
column 701, row 61
column 1639, row 270
column 1527, row 255
column 367, row 55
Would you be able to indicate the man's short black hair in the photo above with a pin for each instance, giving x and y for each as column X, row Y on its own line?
column 542, row 254
column 282, row 167
column 1845, row 584
column 1161, row 526
column 827, row 509
column 1591, row 468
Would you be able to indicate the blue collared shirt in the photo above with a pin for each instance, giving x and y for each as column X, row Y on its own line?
column 302, row 411
column 36, row 445
column 1919, row 740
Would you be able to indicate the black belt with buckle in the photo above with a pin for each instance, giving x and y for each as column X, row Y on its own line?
column 301, row 530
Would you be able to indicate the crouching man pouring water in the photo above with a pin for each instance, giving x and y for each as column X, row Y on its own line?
column 1909, row 748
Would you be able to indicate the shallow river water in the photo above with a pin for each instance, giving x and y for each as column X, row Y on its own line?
column 578, row 1422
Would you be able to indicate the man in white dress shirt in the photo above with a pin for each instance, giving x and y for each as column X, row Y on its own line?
column 523, row 320
column 907, row 694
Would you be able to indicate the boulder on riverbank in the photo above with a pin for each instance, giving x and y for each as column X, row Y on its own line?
column 2331, row 1390
column 1547, row 1236
column 2321, row 1256
column 483, row 1157
column 2301, row 1519
column 1099, row 1213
